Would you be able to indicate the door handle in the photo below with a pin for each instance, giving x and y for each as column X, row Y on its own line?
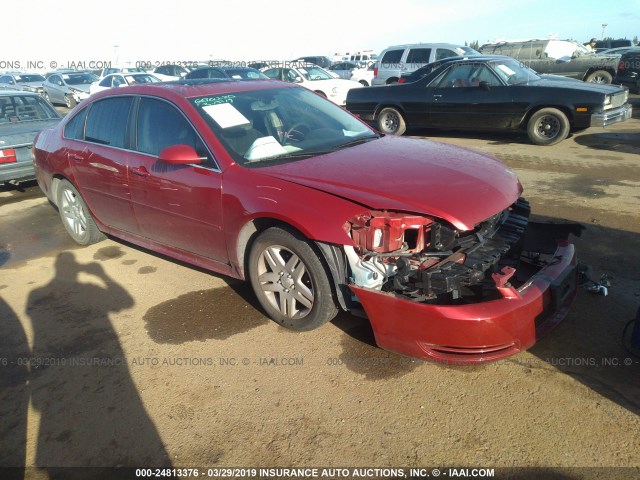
column 437, row 96
column 141, row 171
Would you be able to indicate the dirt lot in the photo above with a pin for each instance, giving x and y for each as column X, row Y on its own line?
column 140, row 361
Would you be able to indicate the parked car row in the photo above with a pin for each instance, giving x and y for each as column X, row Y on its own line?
column 491, row 92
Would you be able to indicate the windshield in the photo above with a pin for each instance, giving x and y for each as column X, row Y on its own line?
column 30, row 78
column 140, row 78
column 264, row 127
column 315, row 73
column 79, row 78
column 514, row 72
column 245, row 73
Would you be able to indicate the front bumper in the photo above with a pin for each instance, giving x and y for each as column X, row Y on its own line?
column 79, row 96
column 609, row 117
column 478, row 332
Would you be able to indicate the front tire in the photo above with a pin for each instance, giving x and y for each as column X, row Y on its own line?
column 391, row 122
column 290, row 280
column 69, row 101
column 548, row 126
column 600, row 76
column 75, row 215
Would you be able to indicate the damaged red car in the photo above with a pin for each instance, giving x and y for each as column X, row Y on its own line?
column 271, row 183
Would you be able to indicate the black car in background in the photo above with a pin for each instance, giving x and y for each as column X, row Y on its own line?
column 629, row 71
column 494, row 93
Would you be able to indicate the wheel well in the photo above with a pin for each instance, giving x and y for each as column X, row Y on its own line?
column 562, row 108
column 330, row 256
column 320, row 92
column 248, row 234
column 391, row 80
column 379, row 108
column 364, row 83
column 609, row 70
column 55, row 183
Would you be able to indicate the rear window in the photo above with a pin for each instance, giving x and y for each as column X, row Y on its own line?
column 107, row 122
column 392, row 56
column 25, row 108
column 419, row 55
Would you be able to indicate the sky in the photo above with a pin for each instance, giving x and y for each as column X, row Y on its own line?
column 131, row 31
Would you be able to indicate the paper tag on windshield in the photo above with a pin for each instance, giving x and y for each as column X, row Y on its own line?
column 226, row 115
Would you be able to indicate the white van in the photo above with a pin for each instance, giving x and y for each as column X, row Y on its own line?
column 402, row 59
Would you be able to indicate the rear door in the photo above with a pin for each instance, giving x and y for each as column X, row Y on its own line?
column 416, row 57
column 98, row 159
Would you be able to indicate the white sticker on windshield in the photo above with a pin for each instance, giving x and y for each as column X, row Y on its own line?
column 505, row 69
column 226, row 115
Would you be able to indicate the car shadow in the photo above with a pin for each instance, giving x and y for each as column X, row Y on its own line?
column 89, row 409
column 492, row 138
column 622, row 140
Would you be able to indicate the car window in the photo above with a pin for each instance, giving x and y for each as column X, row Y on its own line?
column 161, row 125
column 273, row 73
column 6, row 79
column 117, row 80
column 215, row 73
column 25, row 108
column 290, row 75
column 560, row 50
column 283, row 124
column 419, row 55
column 106, row 82
column 392, row 56
column 445, row 53
column 107, row 121
column 74, row 129
column 79, row 78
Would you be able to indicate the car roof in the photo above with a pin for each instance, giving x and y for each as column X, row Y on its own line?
column 11, row 93
column 195, row 88
column 409, row 45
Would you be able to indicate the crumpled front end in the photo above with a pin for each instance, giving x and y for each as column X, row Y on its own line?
column 459, row 297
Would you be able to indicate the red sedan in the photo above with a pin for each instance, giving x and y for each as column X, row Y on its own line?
column 271, row 183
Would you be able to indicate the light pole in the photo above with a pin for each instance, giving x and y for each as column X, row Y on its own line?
column 604, row 25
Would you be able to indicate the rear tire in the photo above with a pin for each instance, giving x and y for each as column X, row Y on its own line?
column 75, row 215
column 548, row 126
column 290, row 280
column 599, row 76
column 391, row 122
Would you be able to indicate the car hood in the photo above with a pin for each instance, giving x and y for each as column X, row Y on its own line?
column 419, row 176
column 553, row 81
column 83, row 87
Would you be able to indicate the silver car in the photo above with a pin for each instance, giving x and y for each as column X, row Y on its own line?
column 68, row 88
column 404, row 59
column 29, row 82
column 22, row 115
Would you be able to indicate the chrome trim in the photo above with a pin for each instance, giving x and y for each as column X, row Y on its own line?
column 612, row 116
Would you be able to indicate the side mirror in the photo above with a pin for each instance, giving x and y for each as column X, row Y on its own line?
column 297, row 79
column 484, row 86
column 180, row 155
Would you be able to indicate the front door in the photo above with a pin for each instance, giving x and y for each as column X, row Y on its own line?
column 175, row 205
